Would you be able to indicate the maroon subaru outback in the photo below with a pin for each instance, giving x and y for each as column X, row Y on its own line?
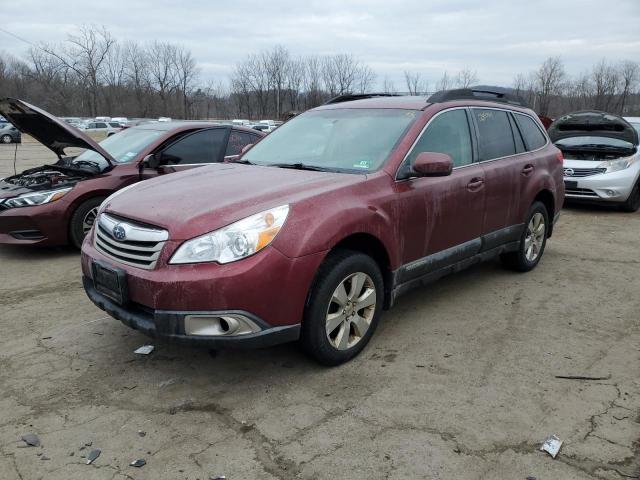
column 311, row 233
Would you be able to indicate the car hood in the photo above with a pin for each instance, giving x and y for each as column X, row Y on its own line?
column 204, row 199
column 49, row 130
column 590, row 123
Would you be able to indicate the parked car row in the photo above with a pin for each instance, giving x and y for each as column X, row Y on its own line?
column 309, row 233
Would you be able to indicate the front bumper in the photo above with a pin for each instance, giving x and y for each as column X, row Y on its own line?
column 171, row 326
column 612, row 187
column 36, row 225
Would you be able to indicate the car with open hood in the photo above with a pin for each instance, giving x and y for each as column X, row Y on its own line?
column 601, row 158
column 325, row 222
column 57, row 203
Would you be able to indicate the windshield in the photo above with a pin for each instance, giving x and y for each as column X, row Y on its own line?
column 582, row 142
column 123, row 147
column 338, row 140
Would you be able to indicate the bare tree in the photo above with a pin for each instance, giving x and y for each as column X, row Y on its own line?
column 186, row 74
column 415, row 83
column 445, row 82
column 313, row 81
column 629, row 77
column 388, row 86
column 466, row 78
column 549, row 78
column 605, row 81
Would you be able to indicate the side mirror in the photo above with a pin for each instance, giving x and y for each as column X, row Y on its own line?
column 151, row 161
column 246, row 148
column 432, row 164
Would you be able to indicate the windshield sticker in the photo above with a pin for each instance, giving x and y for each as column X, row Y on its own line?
column 363, row 164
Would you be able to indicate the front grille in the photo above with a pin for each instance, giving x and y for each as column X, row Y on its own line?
column 583, row 172
column 580, row 192
column 138, row 246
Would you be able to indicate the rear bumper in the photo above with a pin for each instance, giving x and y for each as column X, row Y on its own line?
column 170, row 324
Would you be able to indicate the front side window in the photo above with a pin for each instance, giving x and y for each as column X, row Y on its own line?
column 447, row 133
column 495, row 138
column 533, row 137
column 200, row 147
column 344, row 139
column 101, row 125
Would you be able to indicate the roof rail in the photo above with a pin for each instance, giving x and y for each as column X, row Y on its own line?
column 480, row 92
column 358, row 96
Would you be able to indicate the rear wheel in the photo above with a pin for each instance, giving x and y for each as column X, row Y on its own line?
column 83, row 219
column 343, row 307
column 532, row 241
column 633, row 202
column 5, row 139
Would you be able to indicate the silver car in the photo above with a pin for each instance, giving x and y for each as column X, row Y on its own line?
column 601, row 158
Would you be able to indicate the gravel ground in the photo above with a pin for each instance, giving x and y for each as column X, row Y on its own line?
column 458, row 382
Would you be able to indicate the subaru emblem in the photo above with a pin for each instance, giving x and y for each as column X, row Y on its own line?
column 568, row 172
column 119, row 233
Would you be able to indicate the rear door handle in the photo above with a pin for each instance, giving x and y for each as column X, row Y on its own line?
column 528, row 169
column 475, row 184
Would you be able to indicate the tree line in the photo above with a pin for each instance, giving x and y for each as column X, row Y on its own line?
column 92, row 73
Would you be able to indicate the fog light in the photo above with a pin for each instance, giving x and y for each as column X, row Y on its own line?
column 219, row 325
column 611, row 193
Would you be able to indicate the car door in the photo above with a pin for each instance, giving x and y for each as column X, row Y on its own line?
column 444, row 212
column 194, row 150
column 497, row 154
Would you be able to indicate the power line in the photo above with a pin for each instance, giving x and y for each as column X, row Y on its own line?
column 18, row 37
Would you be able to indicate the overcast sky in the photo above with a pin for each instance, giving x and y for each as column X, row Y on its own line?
column 496, row 38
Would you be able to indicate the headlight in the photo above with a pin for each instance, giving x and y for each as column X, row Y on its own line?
column 36, row 198
column 235, row 241
column 619, row 164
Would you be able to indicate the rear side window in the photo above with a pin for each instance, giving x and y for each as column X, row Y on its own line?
column 447, row 133
column 200, row 147
column 533, row 137
column 100, row 125
column 238, row 140
column 494, row 132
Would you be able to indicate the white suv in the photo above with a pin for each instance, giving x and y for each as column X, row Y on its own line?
column 601, row 158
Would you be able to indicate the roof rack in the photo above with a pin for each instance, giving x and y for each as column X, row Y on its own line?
column 358, row 96
column 480, row 92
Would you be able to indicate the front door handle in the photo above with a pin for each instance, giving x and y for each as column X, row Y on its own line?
column 475, row 184
column 528, row 170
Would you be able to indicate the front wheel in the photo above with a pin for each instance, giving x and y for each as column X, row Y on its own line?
column 532, row 241
column 343, row 308
column 5, row 139
column 633, row 202
column 83, row 219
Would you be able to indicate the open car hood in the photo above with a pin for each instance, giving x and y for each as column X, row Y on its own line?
column 49, row 130
column 592, row 123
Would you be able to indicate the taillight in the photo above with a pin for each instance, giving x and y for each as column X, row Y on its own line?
column 560, row 157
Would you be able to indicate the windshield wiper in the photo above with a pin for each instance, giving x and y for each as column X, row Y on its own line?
column 298, row 166
column 242, row 161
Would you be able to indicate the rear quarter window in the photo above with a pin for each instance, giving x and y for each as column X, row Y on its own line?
column 495, row 138
column 533, row 137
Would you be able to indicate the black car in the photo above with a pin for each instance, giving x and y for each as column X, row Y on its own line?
column 9, row 133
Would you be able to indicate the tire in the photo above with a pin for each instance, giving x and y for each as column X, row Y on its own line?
column 80, row 220
column 532, row 242
column 6, row 139
column 633, row 202
column 348, row 269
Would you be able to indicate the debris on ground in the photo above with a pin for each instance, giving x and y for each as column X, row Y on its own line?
column 44, row 457
column 531, row 478
column 144, row 350
column 166, row 383
column 551, row 445
column 31, row 439
column 141, row 462
column 93, row 455
column 584, row 377
column 142, row 433
column 219, row 477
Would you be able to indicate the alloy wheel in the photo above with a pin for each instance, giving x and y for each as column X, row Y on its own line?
column 351, row 310
column 6, row 139
column 88, row 220
column 534, row 238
